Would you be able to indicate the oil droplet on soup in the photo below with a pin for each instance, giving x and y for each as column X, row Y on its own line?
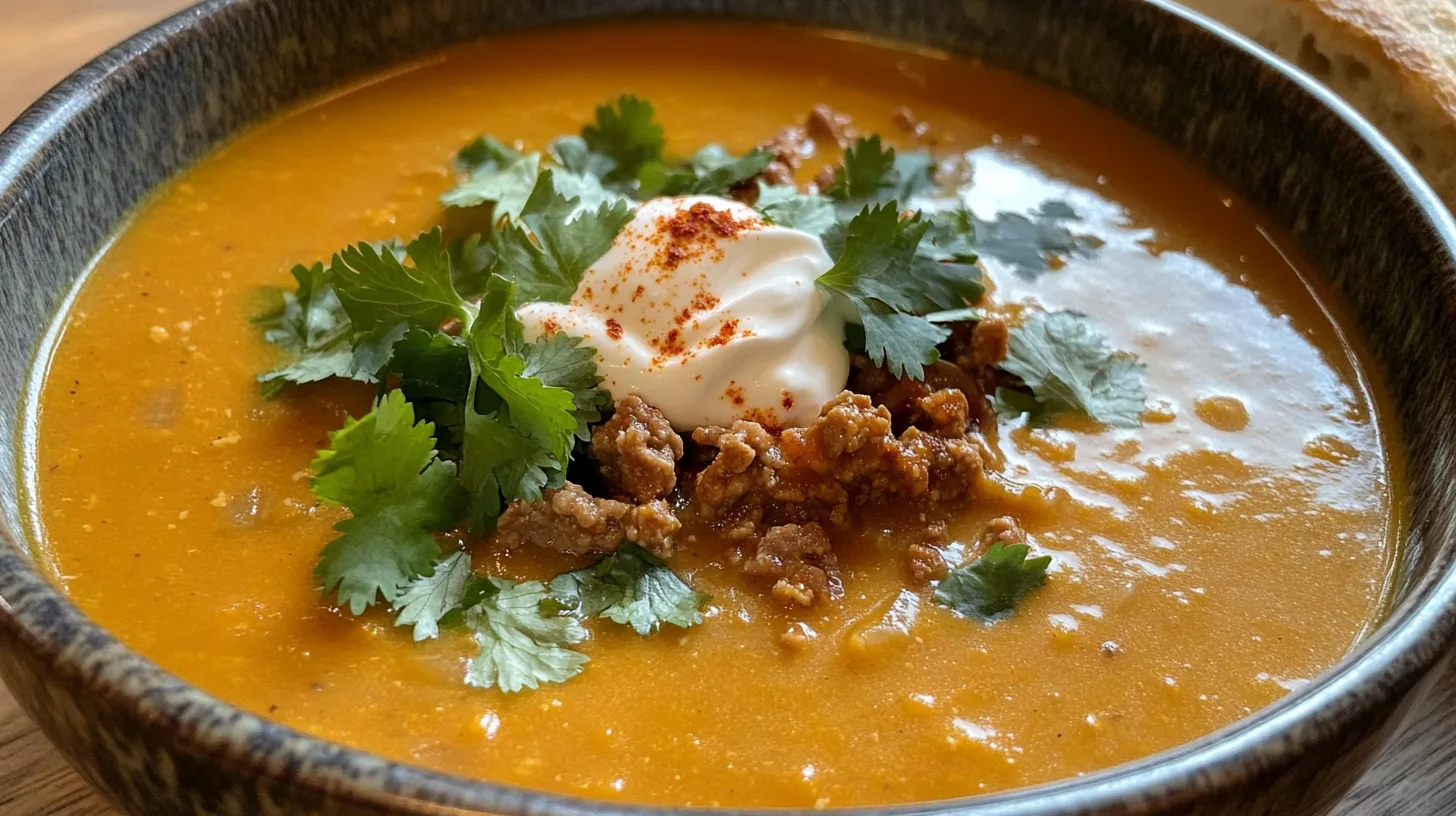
column 1204, row 565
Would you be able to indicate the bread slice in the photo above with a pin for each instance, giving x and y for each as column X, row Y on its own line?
column 1393, row 60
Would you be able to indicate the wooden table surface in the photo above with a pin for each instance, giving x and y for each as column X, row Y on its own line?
column 40, row 43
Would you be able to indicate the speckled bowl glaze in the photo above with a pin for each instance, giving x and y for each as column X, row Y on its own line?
column 75, row 164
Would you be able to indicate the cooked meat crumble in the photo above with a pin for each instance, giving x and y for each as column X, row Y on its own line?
column 824, row 128
column 847, row 457
column 570, row 520
column 800, row 560
column 638, row 451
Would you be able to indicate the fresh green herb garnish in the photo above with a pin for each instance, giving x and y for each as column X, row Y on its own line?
column 626, row 133
column 710, row 171
column 544, row 253
column 559, row 360
column 520, row 645
column 630, row 586
column 383, row 469
column 433, row 372
column 380, row 290
column 879, row 268
column 506, row 185
column 313, row 328
column 873, row 173
column 1026, row 244
column 1069, row 367
column 518, row 430
column 429, row 598
column 991, row 586
column 485, row 152
column 784, row 205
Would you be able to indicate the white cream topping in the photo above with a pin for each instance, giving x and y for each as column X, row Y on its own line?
column 705, row 310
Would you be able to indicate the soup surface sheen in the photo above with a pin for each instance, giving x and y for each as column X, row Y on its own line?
column 1204, row 565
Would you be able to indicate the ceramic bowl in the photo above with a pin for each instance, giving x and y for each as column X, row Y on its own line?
column 77, row 162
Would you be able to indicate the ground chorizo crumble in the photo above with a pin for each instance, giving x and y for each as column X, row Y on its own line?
column 780, row 497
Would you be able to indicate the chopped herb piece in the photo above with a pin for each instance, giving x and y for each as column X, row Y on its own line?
column 312, row 327
column 378, row 289
column 630, row 586
column 877, row 270
column 470, row 260
column 499, row 464
column 383, row 469
column 903, row 343
column 507, row 186
column 574, row 156
column 433, row 372
column 968, row 314
column 710, row 171
column 625, row 132
column 518, row 430
column 784, row 205
column 1068, row 365
column 588, row 191
column 561, row 361
column 550, row 266
column 874, row 173
column 868, row 169
column 520, row 646
column 484, row 152
column 991, row 586
column 1027, row 244
column 951, row 237
column 429, row 598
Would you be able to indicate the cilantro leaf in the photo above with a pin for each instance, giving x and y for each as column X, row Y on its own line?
column 377, row 459
column 377, row 289
column 498, row 464
column 968, row 314
column 868, row 169
column 1068, row 365
column 878, row 270
column 550, row 266
column 587, row 189
column 625, row 132
column 485, row 151
column 711, row 171
column 383, row 469
column 784, row 205
column 561, row 361
column 1026, row 244
column 518, row 430
column 433, row 372
column 951, row 237
column 507, row 186
column 874, row 173
column 429, row 598
column 630, row 586
column 312, row 327
column 520, row 647
column 902, row 343
column 574, row 156
column 541, row 412
column 470, row 260
column 991, row 586
column 377, row 553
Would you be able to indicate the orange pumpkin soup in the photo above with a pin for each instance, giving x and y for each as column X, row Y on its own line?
column 989, row 565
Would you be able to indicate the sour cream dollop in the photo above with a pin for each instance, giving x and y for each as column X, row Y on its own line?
column 705, row 310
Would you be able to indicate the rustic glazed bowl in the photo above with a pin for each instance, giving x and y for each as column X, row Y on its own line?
column 75, row 164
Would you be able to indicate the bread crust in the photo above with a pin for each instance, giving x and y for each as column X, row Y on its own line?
column 1393, row 60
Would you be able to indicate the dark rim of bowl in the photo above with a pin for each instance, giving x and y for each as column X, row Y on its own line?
column 1382, row 666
